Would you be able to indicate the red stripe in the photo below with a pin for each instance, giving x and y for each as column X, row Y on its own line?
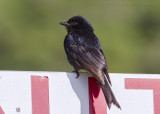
column 40, row 95
column 97, row 103
column 153, row 84
column 1, row 111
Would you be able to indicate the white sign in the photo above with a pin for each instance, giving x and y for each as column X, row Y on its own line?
column 33, row 92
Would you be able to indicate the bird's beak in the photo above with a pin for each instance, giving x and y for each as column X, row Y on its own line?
column 64, row 23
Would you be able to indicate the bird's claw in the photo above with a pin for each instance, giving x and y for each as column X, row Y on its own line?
column 76, row 73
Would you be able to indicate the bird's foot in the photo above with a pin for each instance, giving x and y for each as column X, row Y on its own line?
column 76, row 73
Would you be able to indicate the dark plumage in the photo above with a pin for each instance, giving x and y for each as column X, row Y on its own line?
column 84, row 51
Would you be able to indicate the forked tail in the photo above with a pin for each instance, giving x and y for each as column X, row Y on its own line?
column 109, row 96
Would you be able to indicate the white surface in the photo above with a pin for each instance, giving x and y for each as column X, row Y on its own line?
column 132, row 101
column 15, row 91
column 69, row 95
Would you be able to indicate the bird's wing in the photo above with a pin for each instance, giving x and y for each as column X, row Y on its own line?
column 92, row 60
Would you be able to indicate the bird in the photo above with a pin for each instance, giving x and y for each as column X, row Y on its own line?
column 84, row 52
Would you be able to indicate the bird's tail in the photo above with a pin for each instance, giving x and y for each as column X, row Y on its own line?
column 109, row 96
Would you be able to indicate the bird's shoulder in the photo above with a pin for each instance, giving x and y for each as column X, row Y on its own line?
column 88, row 41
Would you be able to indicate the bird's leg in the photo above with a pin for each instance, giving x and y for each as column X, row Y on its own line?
column 76, row 71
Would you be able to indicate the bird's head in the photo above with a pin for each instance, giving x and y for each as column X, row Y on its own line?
column 77, row 24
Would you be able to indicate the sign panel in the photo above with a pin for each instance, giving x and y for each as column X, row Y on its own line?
column 35, row 92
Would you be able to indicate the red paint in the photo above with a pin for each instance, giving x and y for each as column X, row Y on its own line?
column 153, row 84
column 97, row 102
column 1, row 111
column 40, row 95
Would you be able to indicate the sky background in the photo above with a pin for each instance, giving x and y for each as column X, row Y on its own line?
column 31, row 38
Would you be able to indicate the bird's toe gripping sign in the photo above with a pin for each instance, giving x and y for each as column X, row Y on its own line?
column 24, row 92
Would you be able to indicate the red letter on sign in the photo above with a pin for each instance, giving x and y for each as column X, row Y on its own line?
column 40, row 95
column 154, row 84
column 1, row 111
column 97, row 102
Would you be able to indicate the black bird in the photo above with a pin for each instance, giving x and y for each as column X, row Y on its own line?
column 84, row 51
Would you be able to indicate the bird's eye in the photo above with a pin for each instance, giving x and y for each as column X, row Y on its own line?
column 74, row 23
